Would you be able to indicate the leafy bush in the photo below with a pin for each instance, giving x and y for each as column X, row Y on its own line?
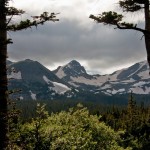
column 72, row 130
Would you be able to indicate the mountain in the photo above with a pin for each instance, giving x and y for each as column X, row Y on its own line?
column 75, row 75
column 71, row 81
column 72, row 69
column 35, row 81
column 135, row 78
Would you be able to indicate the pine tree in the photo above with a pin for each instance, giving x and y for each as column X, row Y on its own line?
column 115, row 19
column 6, row 15
column 131, row 112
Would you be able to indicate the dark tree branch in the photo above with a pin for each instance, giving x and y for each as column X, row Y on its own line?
column 9, row 20
column 108, row 18
column 14, row 11
column 131, row 5
column 37, row 20
column 132, row 28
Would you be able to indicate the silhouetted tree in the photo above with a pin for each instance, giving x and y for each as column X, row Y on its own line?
column 6, row 15
column 113, row 18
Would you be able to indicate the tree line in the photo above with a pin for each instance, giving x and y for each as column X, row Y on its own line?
column 79, row 127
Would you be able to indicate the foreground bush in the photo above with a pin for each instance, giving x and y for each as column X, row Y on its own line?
column 72, row 130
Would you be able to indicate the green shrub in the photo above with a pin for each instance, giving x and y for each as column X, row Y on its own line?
column 72, row 130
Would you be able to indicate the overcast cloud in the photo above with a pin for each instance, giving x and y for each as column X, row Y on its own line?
column 101, row 49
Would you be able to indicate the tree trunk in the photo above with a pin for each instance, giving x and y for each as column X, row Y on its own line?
column 3, row 77
column 147, row 27
column 147, row 44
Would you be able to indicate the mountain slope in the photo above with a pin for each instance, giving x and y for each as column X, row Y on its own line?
column 75, row 75
column 35, row 81
column 71, row 81
column 135, row 78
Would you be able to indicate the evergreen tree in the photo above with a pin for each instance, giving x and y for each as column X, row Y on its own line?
column 131, row 111
column 113, row 18
column 6, row 15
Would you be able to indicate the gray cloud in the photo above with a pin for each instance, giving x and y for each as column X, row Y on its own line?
column 101, row 47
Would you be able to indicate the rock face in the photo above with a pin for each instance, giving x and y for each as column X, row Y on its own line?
column 72, row 81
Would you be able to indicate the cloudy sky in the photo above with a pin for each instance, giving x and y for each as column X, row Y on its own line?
column 100, row 49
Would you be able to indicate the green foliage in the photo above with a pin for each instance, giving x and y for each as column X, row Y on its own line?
column 113, row 18
column 33, row 134
column 35, row 22
column 131, row 5
column 128, row 25
column 78, row 129
column 135, row 121
column 72, row 130
column 108, row 18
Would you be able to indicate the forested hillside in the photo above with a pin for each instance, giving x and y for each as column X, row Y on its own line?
column 69, row 125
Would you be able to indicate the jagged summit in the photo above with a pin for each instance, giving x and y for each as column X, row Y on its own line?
column 76, row 67
column 72, row 69
column 74, row 63
column 28, row 60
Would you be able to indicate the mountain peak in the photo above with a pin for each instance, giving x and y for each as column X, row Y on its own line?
column 74, row 63
column 74, row 67
column 28, row 60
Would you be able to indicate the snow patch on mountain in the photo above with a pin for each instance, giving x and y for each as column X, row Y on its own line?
column 141, row 83
column 144, row 74
column 21, row 98
column 118, row 91
column 15, row 75
column 60, row 73
column 114, row 76
column 94, row 81
column 106, row 86
column 141, row 65
column 69, row 96
column 46, row 79
column 33, row 96
column 129, row 80
column 73, row 84
column 107, row 93
column 113, row 91
column 58, row 87
column 139, row 90
column 121, row 90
